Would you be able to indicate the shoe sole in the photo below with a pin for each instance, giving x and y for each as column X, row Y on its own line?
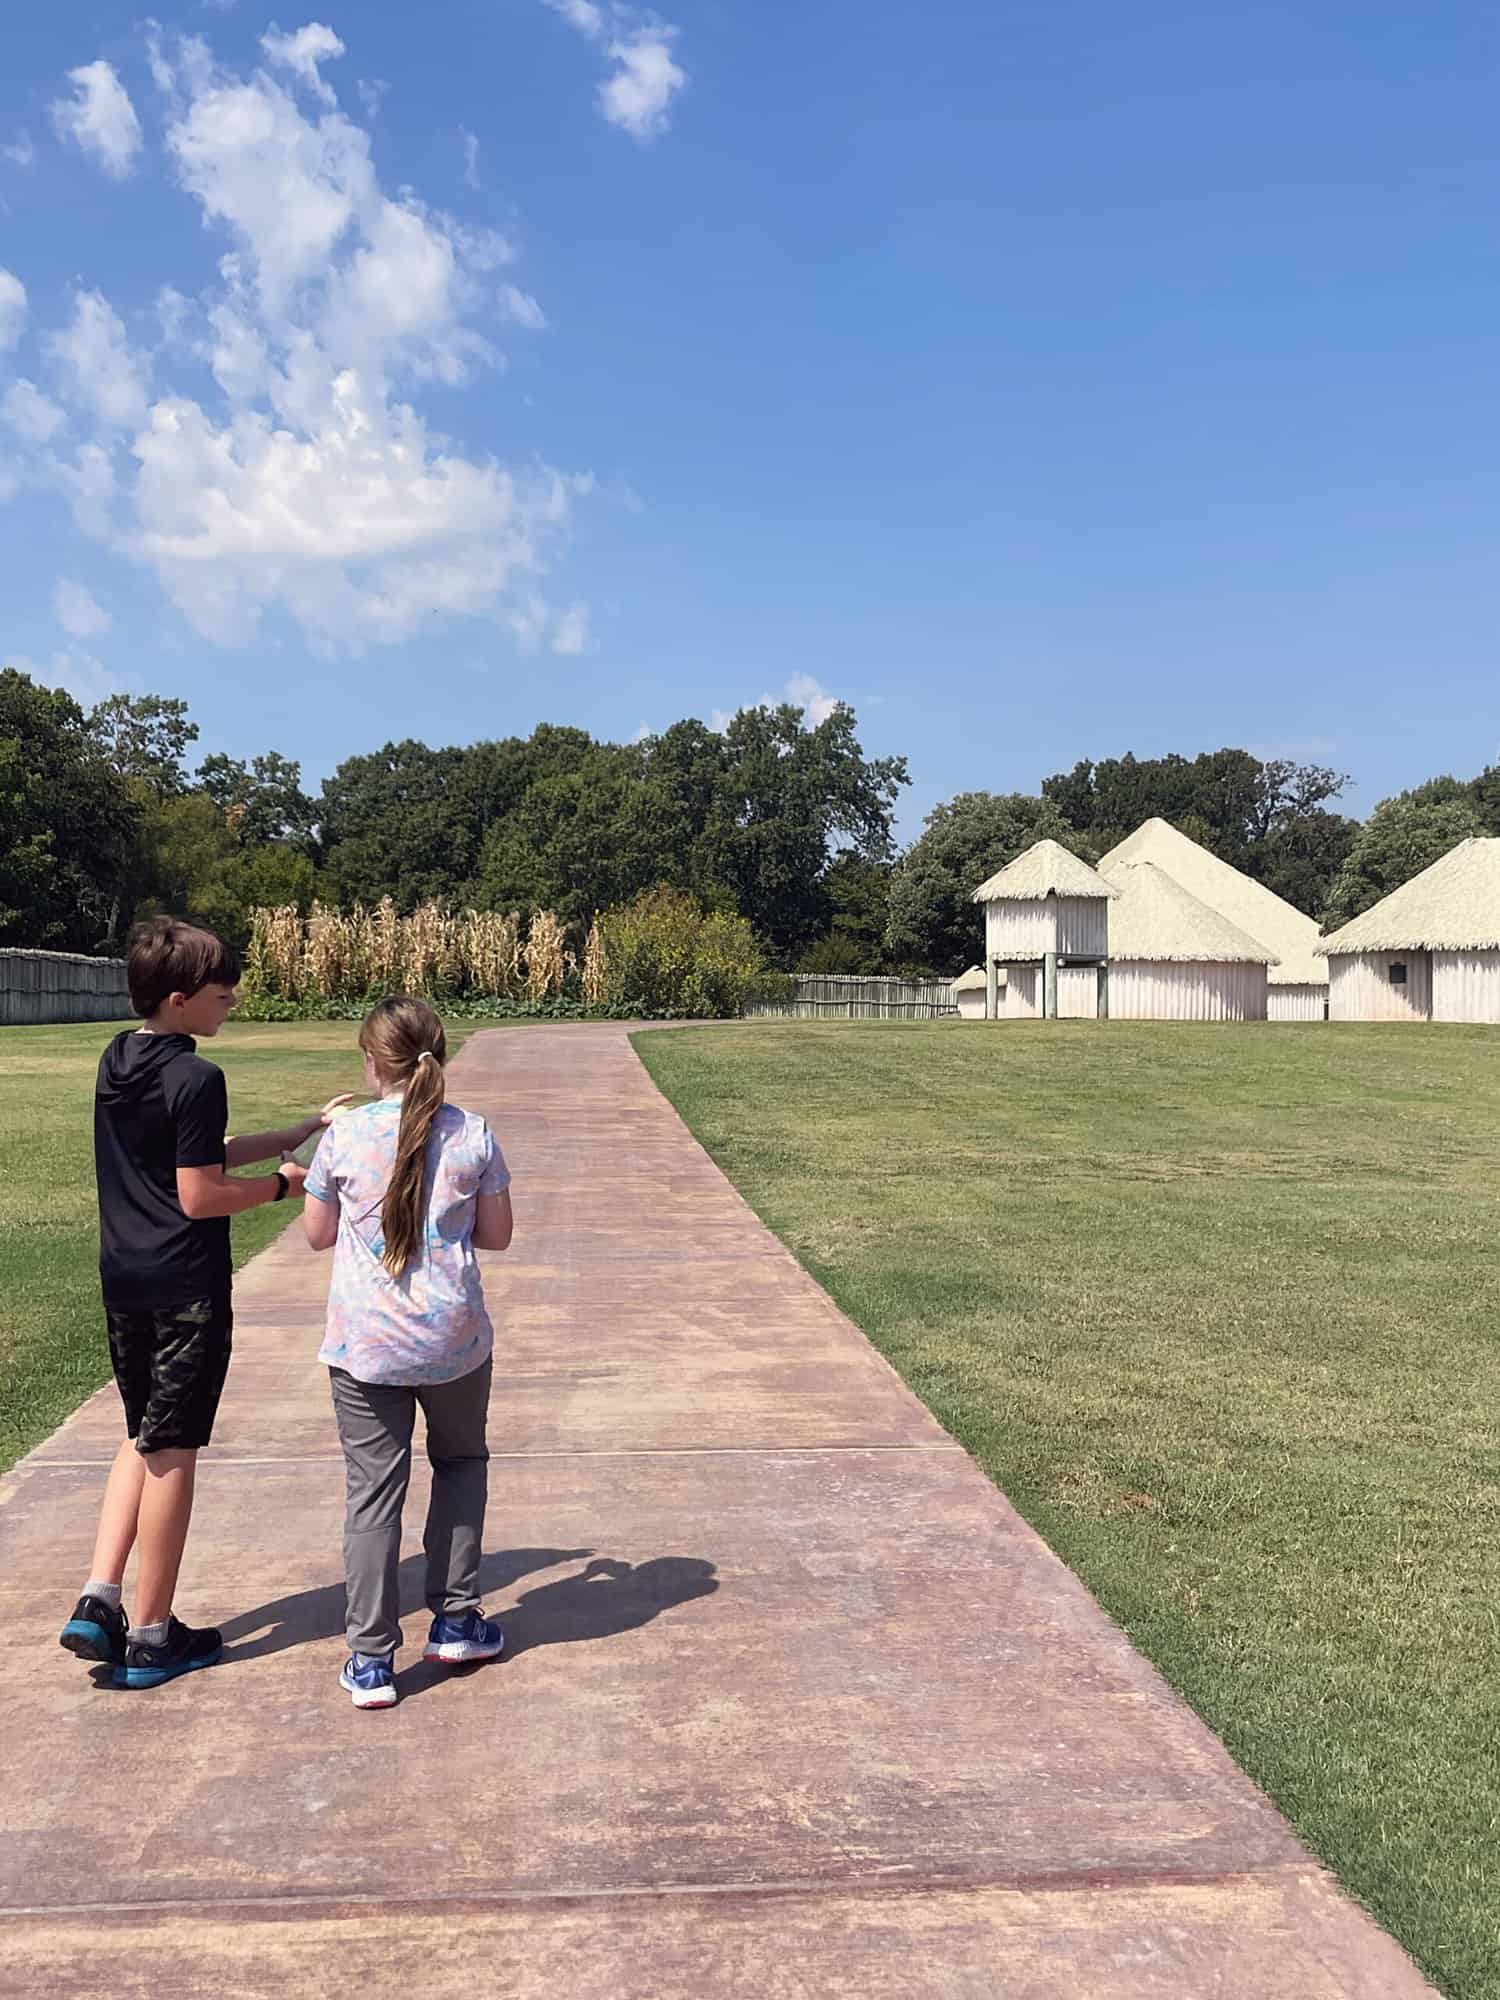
column 370, row 1698
column 153, row 1677
column 87, row 1641
column 459, row 1652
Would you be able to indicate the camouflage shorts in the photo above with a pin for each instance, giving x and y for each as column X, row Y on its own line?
column 170, row 1366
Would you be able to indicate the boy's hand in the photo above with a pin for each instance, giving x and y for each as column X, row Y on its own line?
column 325, row 1117
column 294, row 1176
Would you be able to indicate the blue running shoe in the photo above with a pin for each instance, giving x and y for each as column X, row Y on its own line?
column 370, row 1681
column 472, row 1637
column 186, row 1649
column 96, row 1631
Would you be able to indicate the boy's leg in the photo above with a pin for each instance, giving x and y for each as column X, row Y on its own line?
column 166, row 1508
column 375, row 1425
column 132, row 1347
column 119, row 1515
column 457, row 1414
column 189, row 1363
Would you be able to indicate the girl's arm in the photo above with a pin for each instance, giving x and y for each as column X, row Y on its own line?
column 493, row 1222
column 320, row 1222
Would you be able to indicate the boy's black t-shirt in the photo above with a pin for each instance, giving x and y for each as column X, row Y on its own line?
column 158, row 1106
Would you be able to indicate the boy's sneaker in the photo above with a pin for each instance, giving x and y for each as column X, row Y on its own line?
column 183, row 1652
column 472, row 1637
column 369, row 1680
column 96, row 1631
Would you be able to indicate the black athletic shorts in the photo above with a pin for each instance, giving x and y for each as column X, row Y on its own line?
column 169, row 1366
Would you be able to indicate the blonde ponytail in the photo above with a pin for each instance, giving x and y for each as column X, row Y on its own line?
column 405, row 1040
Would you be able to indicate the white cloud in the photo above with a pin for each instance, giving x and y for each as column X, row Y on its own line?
column 21, row 152
column 301, row 54
column 305, row 480
column 78, row 611
column 100, row 118
column 522, row 308
column 79, row 674
column 801, row 691
column 31, row 414
column 372, row 94
column 571, row 634
column 638, row 95
column 98, row 366
column 471, row 156
column 582, row 15
column 12, row 308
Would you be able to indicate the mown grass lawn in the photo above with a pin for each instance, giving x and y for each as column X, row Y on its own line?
column 52, row 1346
column 1219, row 1309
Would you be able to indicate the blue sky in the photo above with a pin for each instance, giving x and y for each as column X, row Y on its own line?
column 1048, row 380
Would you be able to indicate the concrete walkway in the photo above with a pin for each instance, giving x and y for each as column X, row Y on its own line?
column 795, row 1705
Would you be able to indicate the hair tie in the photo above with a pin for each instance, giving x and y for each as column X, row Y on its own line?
column 426, row 1056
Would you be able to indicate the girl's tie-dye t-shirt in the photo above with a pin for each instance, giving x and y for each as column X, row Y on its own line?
column 430, row 1324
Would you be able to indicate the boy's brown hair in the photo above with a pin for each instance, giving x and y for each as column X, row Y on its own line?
column 168, row 955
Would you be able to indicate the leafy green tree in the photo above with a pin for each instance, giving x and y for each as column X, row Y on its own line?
column 68, row 825
column 146, row 738
column 581, row 841
column 263, row 800
column 1300, row 859
column 1229, row 799
column 1485, row 792
column 934, row 923
column 859, row 897
column 783, row 794
column 1401, row 837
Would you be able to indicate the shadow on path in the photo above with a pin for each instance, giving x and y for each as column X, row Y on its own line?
column 600, row 1602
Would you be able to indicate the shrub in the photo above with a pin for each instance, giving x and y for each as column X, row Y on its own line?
column 665, row 959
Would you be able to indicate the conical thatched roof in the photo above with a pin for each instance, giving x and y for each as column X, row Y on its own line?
column 1042, row 871
column 1156, row 918
column 967, row 981
column 1452, row 906
column 1291, row 939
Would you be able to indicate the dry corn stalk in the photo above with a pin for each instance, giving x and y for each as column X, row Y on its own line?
column 595, row 967
column 546, row 956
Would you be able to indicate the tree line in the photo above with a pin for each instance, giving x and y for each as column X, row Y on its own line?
column 786, row 824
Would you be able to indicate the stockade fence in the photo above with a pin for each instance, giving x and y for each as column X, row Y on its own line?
column 842, row 996
column 42, row 986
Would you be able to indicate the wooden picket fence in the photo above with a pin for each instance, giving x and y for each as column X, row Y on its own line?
column 42, row 986
column 842, row 996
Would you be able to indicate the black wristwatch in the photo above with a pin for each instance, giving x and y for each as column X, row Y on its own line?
column 282, row 1185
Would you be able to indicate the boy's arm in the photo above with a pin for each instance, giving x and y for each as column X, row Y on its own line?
column 271, row 1145
column 210, row 1191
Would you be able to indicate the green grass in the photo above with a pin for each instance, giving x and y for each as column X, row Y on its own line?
column 1219, row 1310
column 52, row 1346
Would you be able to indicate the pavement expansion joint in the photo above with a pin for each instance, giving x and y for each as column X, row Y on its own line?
column 608, row 1451
column 897, row 1881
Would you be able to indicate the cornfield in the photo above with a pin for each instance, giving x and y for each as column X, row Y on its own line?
column 344, row 955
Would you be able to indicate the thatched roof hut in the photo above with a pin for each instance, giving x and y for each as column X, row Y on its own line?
column 1429, row 951
column 1173, row 958
column 1298, row 978
column 1045, row 869
column 1045, row 905
column 1452, row 906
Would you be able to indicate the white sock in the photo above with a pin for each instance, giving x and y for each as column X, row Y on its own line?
column 150, row 1635
column 107, row 1593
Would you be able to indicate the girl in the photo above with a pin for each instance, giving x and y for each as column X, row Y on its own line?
column 408, row 1188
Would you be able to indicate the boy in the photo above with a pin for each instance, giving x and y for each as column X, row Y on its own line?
column 165, row 1199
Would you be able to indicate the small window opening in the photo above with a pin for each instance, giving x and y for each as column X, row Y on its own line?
column 1398, row 974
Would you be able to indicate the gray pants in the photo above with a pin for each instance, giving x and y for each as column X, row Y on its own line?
column 375, row 1428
